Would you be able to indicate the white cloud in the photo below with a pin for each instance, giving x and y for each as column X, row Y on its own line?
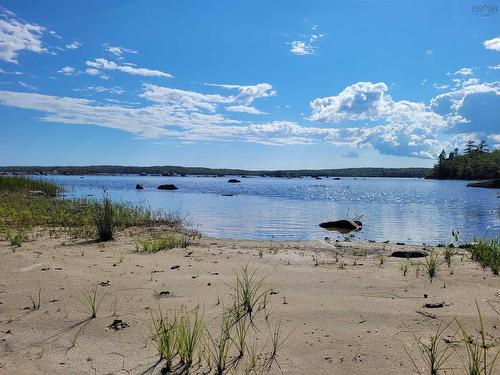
column 244, row 108
column 440, row 86
column 492, row 44
column 17, row 35
column 494, row 67
column 305, row 46
column 103, row 64
column 301, row 48
column 27, row 86
column 67, row 70
column 119, row 51
column 92, row 71
column 464, row 72
column 429, row 52
column 73, row 45
column 248, row 93
column 101, row 89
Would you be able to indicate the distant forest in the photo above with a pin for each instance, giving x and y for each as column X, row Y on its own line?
column 476, row 163
column 175, row 170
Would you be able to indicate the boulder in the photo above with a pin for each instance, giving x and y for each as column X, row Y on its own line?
column 233, row 181
column 342, row 225
column 409, row 254
column 492, row 184
column 139, row 186
column 167, row 187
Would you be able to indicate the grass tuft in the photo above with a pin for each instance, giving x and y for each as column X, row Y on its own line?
column 487, row 253
column 104, row 220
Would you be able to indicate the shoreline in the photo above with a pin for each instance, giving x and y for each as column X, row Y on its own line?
column 344, row 312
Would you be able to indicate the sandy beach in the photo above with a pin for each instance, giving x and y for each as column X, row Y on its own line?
column 344, row 312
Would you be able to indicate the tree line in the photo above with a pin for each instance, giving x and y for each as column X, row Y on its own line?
column 477, row 162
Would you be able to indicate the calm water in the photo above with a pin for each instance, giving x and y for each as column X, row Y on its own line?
column 395, row 209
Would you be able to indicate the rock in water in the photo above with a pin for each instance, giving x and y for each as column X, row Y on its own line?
column 233, row 181
column 492, row 184
column 139, row 186
column 167, row 187
column 344, row 226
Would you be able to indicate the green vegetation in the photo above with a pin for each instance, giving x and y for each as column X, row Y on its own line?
column 92, row 302
column 487, row 253
column 177, row 170
column 16, row 238
column 21, row 211
column 476, row 163
column 225, row 349
column 25, row 184
column 166, row 242
column 431, row 264
column 104, row 220
column 475, row 350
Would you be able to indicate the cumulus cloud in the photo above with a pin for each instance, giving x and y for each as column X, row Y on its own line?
column 305, row 46
column 248, row 93
column 492, row 44
column 17, row 35
column 103, row 64
column 67, row 70
column 473, row 108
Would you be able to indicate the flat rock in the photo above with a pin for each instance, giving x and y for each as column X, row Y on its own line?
column 344, row 226
column 409, row 254
column 491, row 184
column 139, row 186
column 167, row 187
column 233, row 181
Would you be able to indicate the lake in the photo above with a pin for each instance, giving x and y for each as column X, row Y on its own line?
column 395, row 209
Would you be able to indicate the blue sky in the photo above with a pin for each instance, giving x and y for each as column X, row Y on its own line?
column 248, row 84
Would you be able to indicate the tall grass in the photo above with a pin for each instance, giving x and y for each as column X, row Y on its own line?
column 26, row 184
column 189, row 330
column 487, row 253
column 432, row 264
column 477, row 361
column 78, row 217
column 104, row 220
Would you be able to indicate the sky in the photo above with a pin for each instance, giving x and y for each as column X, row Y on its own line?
column 255, row 84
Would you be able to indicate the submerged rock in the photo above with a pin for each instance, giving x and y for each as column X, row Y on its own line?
column 233, row 181
column 342, row 225
column 139, row 186
column 491, row 184
column 167, row 187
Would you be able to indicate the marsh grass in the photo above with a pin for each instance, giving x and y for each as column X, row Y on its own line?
column 76, row 217
column 166, row 242
column 16, row 238
column 434, row 352
column 477, row 361
column 432, row 264
column 104, row 220
column 487, row 253
column 225, row 347
column 449, row 253
column 18, row 184
column 405, row 266
column 165, row 338
column 92, row 302
column 189, row 331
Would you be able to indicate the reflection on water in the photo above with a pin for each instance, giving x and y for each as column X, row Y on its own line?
column 407, row 210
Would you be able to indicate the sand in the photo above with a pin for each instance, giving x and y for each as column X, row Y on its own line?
column 343, row 316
